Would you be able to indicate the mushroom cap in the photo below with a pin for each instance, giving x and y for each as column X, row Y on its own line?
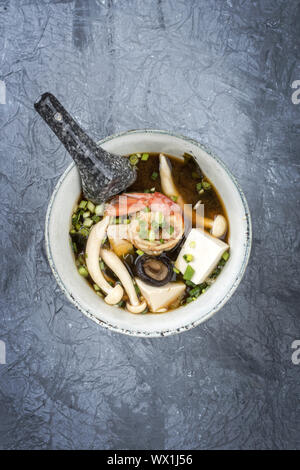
column 139, row 308
column 154, row 270
column 219, row 226
column 115, row 295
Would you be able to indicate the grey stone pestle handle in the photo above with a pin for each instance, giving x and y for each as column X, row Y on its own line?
column 103, row 174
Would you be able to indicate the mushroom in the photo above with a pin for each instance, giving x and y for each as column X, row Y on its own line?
column 118, row 238
column 116, row 265
column 169, row 188
column 96, row 237
column 218, row 225
column 154, row 270
column 166, row 180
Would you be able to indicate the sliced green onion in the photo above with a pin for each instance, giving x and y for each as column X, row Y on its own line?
column 176, row 270
column 84, row 232
column 192, row 244
column 88, row 222
column 225, row 256
column 82, row 204
column 86, row 214
column 102, row 265
column 190, row 284
column 90, row 206
column 199, row 186
column 154, row 175
column 195, row 292
column 145, row 157
column 133, row 159
column 97, row 288
column 188, row 273
column 139, row 252
column 96, row 218
column 174, row 198
column 83, row 271
column 188, row 258
column 99, row 209
column 206, row 185
column 171, row 229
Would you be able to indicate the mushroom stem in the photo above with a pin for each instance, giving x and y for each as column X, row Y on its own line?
column 93, row 246
column 169, row 188
column 116, row 265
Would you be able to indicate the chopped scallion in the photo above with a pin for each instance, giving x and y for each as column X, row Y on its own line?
column 188, row 258
column 83, row 271
column 102, row 265
column 206, row 185
column 90, row 206
column 188, row 273
column 82, row 204
column 99, row 209
column 87, row 222
column 133, row 159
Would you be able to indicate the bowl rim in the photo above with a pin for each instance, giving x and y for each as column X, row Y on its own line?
column 171, row 331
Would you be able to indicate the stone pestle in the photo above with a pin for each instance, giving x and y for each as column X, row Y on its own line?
column 103, row 174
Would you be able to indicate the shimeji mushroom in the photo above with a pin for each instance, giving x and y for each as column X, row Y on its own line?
column 217, row 226
column 169, row 188
column 115, row 264
column 96, row 237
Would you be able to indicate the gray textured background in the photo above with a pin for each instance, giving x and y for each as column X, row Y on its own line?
column 215, row 70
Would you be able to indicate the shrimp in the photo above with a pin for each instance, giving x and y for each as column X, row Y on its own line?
column 156, row 222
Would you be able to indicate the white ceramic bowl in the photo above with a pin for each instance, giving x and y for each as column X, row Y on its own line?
column 76, row 288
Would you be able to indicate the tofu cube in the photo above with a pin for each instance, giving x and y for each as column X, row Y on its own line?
column 206, row 252
column 159, row 298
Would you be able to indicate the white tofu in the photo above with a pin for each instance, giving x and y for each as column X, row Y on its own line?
column 206, row 251
column 160, row 297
